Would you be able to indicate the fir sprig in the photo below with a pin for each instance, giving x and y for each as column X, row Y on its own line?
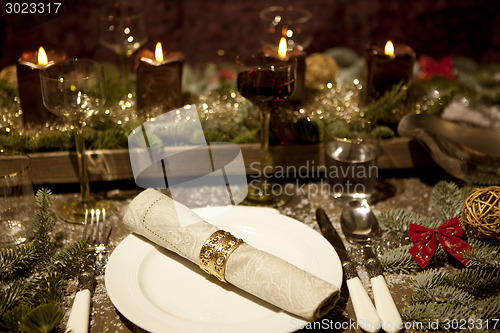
column 476, row 279
column 383, row 109
column 65, row 261
column 399, row 219
column 30, row 299
column 43, row 224
column 430, row 278
column 398, row 260
column 471, row 279
column 11, row 294
column 41, row 319
column 15, row 259
column 485, row 254
column 446, row 201
column 489, row 307
column 442, row 294
column 425, row 315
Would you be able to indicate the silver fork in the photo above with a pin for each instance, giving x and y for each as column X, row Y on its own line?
column 93, row 265
column 97, row 239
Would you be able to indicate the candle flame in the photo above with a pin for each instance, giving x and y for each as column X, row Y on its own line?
column 158, row 52
column 282, row 48
column 389, row 48
column 42, row 57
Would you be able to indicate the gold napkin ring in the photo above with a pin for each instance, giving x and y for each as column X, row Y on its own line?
column 216, row 251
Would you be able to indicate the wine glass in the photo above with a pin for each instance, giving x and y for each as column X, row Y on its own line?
column 122, row 29
column 74, row 89
column 293, row 23
column 266, row 81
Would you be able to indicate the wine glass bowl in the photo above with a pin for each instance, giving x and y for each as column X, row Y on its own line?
column 122, row 29
column 291, row 22
column 74, row 89
column 266, row 81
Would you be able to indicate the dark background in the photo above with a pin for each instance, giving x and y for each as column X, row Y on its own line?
column 200, row 28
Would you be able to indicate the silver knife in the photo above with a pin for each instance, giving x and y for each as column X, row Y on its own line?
column 78, row 321
column 366, row 314
column 387, row 310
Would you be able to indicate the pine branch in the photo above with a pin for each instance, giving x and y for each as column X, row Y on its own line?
column 65, row 261
column 446, row 201
column 442, row 294
column 41, row 319
column 43, row 224
column 399, row 220
column 430, row 313
column 29, row 302
column 477, row 279
column 9, row 320
column 398, row 260
column 488, row 308
column 48, row 289
column 431, row 278
column 15, row 259
column 383, row 109
column 467, row 313
column 384, row 132
column 11, row 295
column 486, row 254
column 471, row 279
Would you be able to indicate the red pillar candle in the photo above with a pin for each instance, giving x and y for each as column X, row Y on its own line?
column 159, row 78
column 28, row 81
column 385, row 68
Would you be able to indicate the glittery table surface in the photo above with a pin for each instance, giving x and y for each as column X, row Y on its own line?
column 408, row 193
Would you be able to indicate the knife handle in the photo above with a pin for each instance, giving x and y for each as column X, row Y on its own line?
column 78, row 321
column 387, row 310
column 366, row 314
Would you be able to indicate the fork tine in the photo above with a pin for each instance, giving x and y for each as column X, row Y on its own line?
column 104, row 240
column 91, row 231
column 97, row 233
column 85, row 225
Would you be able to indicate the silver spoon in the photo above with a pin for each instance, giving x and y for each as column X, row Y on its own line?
column 360, row 225
column 358, row 222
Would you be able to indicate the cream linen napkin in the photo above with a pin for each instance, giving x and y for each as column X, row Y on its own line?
column 177, row 228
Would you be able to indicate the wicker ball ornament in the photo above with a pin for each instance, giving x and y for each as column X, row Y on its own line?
column 320, row 70
column 481, row 213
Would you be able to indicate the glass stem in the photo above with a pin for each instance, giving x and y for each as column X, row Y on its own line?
column 265, row 156
column 82, row 163
column 125, row 68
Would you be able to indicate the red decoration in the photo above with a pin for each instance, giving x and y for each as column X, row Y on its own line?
column 430, row 67
column 426, row 242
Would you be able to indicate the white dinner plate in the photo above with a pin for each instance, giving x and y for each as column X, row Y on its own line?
column 160, row 291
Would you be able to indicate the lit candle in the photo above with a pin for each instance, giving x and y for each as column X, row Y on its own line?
column 298, row 93
column 387, row 67
column 159, row 78
column 28, row 81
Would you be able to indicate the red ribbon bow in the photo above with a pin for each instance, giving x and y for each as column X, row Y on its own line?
column 426, row 242
column 430, row 67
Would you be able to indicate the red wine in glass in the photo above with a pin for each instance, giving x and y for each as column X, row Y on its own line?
column 266, row 81
column 266, row 87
